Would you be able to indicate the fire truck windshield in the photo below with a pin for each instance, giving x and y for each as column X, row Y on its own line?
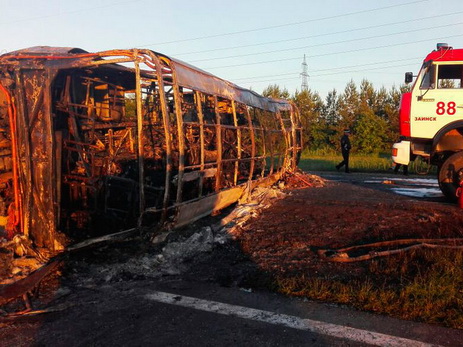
column 429, row 76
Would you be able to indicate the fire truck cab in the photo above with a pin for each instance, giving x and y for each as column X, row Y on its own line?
column 431, row 117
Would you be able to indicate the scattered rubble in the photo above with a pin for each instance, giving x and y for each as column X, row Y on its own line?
column 18, row 259
column 171, row 252
column 300, row 179
column 174, row 254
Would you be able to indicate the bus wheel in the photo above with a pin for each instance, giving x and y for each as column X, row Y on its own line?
column 450, row 174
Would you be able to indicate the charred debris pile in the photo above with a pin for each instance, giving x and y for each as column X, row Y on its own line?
column 134, row 255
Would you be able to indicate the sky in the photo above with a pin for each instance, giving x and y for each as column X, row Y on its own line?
column 251, row 43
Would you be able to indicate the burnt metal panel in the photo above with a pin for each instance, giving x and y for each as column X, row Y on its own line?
column 190, row 212
column 46, row 50
column 36, row 157
column 194, row 78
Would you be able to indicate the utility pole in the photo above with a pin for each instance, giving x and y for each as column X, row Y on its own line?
column 305, row 76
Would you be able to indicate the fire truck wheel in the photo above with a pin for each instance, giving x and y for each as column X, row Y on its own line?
column 450, row 174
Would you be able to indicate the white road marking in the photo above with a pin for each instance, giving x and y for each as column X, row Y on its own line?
column 419, row 192
column 339, row 331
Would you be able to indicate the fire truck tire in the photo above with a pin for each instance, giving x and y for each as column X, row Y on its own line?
column 450, row 174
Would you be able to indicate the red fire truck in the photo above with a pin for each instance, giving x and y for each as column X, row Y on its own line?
column 431, row 117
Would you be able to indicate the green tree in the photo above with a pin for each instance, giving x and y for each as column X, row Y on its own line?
column 348, row 106
column 274, row 91
column 310, row 107
column 381, row 103
column 367, row 96
column 370, row 133
column 330, row 110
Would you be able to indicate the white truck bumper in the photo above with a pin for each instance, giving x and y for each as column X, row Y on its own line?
column 401, row 152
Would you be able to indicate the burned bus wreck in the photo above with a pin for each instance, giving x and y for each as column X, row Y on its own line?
column 94, row 143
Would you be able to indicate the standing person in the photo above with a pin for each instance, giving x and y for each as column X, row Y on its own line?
column 345, row 149
column 405, row 168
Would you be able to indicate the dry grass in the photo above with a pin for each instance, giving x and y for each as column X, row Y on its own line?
column 425, row 285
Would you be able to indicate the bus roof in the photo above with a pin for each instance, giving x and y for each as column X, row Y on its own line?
column 187, row 75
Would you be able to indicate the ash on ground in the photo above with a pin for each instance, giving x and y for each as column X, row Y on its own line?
column 205, row 251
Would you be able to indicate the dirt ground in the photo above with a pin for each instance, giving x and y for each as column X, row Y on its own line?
column 279, row 237
column 284, row 239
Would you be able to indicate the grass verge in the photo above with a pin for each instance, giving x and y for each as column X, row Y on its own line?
column 425, row 285
column 326, row 160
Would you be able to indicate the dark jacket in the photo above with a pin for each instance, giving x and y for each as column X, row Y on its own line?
column 345, row 143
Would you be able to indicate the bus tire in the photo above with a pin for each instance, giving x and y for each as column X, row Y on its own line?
column 450, row 174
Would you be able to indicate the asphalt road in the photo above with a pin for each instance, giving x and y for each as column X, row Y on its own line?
column 132, row 314
column 413, row 186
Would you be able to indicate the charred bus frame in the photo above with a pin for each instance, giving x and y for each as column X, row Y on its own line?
column 104, row 141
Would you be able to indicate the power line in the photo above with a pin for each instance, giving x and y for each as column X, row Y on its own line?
column 332, row 68
column 331, row 73
column 328, row 74
column 362, row 70
column 251, row 78
column 326, row 43
column 285, row 25
column 321, row 35
column 333, row 53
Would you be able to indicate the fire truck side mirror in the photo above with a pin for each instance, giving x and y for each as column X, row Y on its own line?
column 408, row 77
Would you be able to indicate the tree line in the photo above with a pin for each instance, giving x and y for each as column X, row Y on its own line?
column 371, row 115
